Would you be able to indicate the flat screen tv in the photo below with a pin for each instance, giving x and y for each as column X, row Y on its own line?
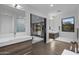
column 68, row 24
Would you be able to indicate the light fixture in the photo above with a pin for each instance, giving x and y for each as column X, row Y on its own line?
column 16, row 6
column 51, row 5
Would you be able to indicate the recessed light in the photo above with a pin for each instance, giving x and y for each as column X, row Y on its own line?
column 18, row 6
column 51, row 5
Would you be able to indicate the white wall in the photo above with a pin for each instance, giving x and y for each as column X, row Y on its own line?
column 6, row 25
column 7, row 17
column 65, row 36
column 7, row 14
column 69, row 36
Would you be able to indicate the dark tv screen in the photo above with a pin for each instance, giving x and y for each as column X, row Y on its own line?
column 68, row 24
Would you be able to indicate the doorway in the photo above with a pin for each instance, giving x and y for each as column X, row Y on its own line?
column 38, row 28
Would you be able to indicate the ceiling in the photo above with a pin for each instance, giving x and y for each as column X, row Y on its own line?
column 5, row 10
column 57, row 8
column 46, row 9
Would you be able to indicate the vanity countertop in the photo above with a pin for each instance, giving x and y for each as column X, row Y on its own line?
column 50, row 31
column 13, row 40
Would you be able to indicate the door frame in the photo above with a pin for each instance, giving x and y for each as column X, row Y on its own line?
column 45, row 21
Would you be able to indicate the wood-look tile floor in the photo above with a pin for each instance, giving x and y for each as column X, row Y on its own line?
column 52, row 48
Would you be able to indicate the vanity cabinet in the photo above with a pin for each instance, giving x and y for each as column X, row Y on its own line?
column 20, row 48
column 53, row 35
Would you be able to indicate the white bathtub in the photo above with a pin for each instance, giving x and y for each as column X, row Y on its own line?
column 7, row 40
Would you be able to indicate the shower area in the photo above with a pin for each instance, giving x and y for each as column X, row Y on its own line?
column 38, row 28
